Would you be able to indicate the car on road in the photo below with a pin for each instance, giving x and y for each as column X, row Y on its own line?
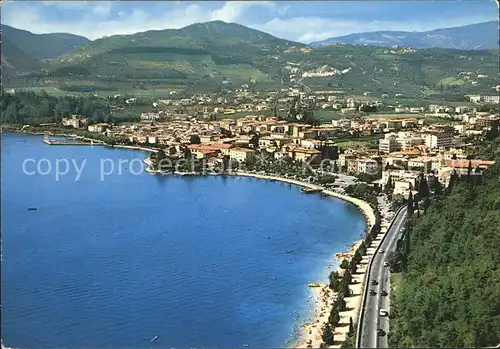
column 374, row 282
column 383, row 312
column 381, row 251
column 372, row 293
column 383, row 293
column 380, row 332
column 386, row 264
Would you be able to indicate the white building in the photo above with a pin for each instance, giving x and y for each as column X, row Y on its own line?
column 241, row 154
column 399, row 141
column 435, row 140
column 492, row 99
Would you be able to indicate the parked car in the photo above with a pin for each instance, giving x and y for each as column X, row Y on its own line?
column 372, row 293
column 374, row 282
column 383, row 293
column 386, row 264
column 383, row 312
column 381, row 251
column 381, row 332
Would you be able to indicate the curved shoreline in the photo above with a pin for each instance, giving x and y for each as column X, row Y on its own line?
column 363, row 206
column 311, row 331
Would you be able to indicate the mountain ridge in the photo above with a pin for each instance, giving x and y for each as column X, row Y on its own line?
column 219, row 56
column 478, row 36
column 43, row 46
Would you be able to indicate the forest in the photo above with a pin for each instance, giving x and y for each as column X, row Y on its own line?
column 36, row 108
column 449, row 294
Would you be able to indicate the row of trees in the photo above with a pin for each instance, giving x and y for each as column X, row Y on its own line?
column 35, row 108
column 449, row 296
column 339, row 283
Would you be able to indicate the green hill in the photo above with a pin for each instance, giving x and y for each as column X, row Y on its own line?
column 43, row 46
column 15, row 59
column 450, row 295
column 207, row 53
column 414, row 74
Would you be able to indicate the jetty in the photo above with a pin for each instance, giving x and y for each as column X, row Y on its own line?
column 311, row 190
column 72, row 141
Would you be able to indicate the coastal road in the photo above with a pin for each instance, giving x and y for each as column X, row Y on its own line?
column 371, row 320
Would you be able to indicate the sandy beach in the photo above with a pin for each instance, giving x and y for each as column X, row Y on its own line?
column 311, row 331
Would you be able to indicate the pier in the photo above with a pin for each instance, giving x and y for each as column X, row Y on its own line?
column 74, row 141
column 311, row 190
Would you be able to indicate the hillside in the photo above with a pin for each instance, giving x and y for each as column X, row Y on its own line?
column 212, row 53
column 414, row 73
column 43, row 46
column 450, row 295
column 15, row 59
column 481, row 36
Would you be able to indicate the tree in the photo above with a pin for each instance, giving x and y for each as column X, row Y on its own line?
column 438, row 188
column 334, row 281
column 187, row 153
column 347, row 277
column 452, row 182
column 469, row 173
column 395, row 260
column 327, row 335
column 410, row 204
column 351, row 327
column 362, row 248
column 357, row 257
column 340, row 303
column 353, row 267
column 344, row 288
column 254, row 141
column 344, row 264
column 194, row 139
column 388, row 186
column 11, row 113
column 423, row 187
column 334, row 317
column 158, row 159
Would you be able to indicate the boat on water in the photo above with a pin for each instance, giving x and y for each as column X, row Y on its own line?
column 290, row 251
column 314, row 284
column 155, row 338
column 32, row 209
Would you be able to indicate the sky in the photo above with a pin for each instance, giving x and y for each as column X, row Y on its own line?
column 303, row 21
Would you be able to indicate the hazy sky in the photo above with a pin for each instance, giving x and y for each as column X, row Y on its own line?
column 303, row 21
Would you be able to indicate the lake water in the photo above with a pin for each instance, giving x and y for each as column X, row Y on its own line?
column 110, row 262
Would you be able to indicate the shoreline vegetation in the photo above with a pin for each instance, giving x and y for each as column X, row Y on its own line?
column 337, row 303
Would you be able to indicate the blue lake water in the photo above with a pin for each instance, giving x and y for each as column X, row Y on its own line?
column 201, row 262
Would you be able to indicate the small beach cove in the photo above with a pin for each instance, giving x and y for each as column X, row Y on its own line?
column 155, row 220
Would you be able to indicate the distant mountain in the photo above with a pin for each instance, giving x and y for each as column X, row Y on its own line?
column 15, row 59
column 43, row 46
column 481, row 36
